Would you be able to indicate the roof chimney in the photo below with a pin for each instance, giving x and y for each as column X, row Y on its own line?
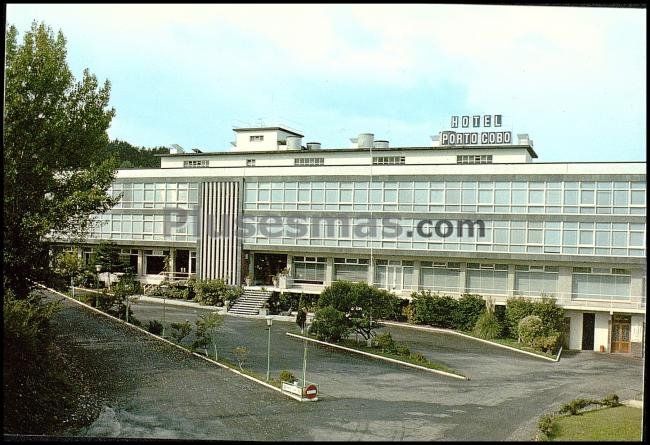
column 366, row 140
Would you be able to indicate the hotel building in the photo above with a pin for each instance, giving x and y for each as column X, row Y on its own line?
column 473, row 212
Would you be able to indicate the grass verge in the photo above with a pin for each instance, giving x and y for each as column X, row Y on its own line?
column 413, row 359
column 617, row 423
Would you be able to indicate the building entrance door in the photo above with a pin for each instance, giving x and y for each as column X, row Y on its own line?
column 267, row 265
column 621, row 333
column 588, row 325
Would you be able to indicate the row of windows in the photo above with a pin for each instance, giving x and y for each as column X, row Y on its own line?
column 388, row 160
column 192, row 164
column 155, row 194
column 586, row 238
column 474, row 159
column 309, row 161
column 465, row 196
column 491, row 279
column 144, row 227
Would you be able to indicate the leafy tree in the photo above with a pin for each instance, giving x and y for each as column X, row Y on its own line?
column 241, row 354
column 329, row 324
column 206, row 331
column 131, row 156
column 68, row 265
column 107, row 255
column 56, row 164
column 361, row 304
column 181, row 330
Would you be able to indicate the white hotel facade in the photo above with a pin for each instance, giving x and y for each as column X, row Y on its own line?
column 574, row 231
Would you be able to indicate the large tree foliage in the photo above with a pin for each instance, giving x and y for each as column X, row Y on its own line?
column 360, row 306
column 130, row 156
column 56, row 163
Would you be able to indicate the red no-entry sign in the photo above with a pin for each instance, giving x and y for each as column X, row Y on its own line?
column 311, row 391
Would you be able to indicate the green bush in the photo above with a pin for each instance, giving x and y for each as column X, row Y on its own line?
column 155, row 327
column 517, row 308
column 401, row 349
column 433, row 309
column 287, row 376
column 180, row 330
column 545, row 425
column 574, row 406
column 469, row 308
column 529, row 329
column 418, row 357
column 487, row 326
column 211, row 292
column 546, row 343
column 610, row 400
column 385, row 342
column 408, row 312
column 329, row 324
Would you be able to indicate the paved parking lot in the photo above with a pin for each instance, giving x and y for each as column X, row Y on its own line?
column 361, row 398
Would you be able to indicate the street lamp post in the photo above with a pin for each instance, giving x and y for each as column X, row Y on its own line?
column 269, row 323
column 304, row 358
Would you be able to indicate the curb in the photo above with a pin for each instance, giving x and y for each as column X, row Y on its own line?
column 448, row 374
column 449, row 331
column 174, row 344
column 633, row 403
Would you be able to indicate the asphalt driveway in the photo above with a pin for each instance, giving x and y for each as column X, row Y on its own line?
column 162, row 392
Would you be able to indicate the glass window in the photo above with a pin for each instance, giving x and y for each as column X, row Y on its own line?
column 638, row 197
column 536, row 197
column 452, row 197
column 501, row 196
column 604, row 198
column 587, row 197
column 570, row 197
column 436, row 197
column 518, row 197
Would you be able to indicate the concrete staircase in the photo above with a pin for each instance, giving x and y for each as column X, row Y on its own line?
column 251, row 301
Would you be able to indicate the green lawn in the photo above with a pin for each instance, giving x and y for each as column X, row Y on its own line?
column 619, row 423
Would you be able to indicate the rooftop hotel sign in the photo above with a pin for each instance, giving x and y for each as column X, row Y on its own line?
column 483, row 137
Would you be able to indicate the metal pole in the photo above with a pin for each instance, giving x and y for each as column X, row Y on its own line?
column 127, row 308
column 268, row 357
column 163, row 322
column 304, row 366
column 72, row 286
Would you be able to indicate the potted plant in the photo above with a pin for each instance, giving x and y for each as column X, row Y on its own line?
column 275, row 280
column 249, row 279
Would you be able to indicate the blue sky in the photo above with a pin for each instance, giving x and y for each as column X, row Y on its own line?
column 573, row 78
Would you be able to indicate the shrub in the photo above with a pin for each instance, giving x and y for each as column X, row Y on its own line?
column 487, row 326
column 418, row 357
column 545, row 425
column 552, row 316
column 211, row 292
column 610, row 400
column 287, row 376
column 329, row 325
column 529, row 329
column 241, row 354
column 402, row 350
column 546, row 343
column 385, row 342
column 180, row 330
column 574, row 406
column 469, row 308
column 433, row 309
column 408, row 312
column 155, row 327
